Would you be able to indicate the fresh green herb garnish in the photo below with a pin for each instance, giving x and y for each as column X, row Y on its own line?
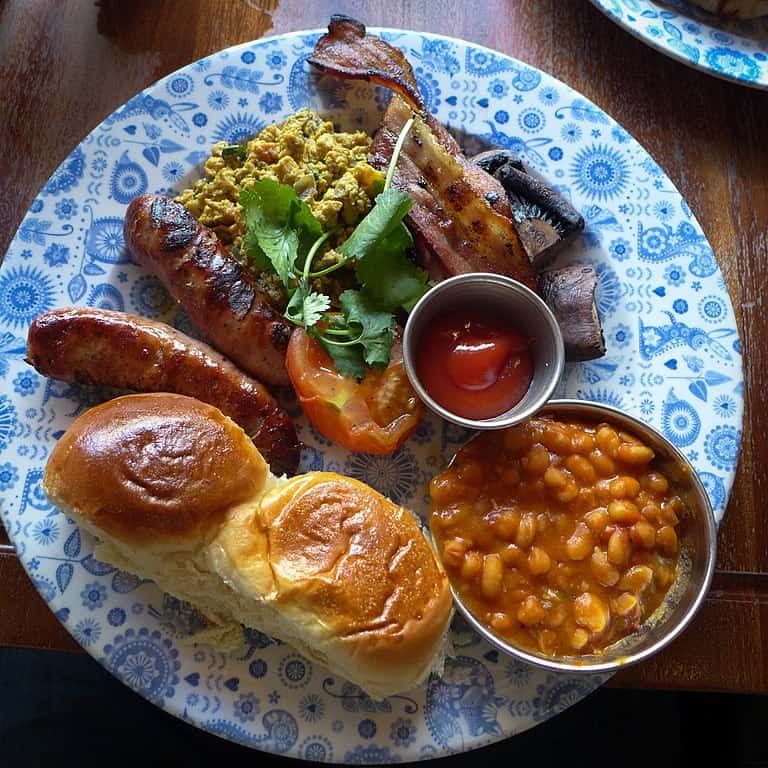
column 359, row 335
column 238, row 151
column 284, row 236
column 391, row 279
column 383, row 225
column 377, row 327
column 305, row 306
column 280, row 228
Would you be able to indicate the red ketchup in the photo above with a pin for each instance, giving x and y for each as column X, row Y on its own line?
column 474, row 363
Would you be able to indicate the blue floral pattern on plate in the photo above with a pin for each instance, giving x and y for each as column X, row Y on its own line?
column 729, row 49
column 673, row 358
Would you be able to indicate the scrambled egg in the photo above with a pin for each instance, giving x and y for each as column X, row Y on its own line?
column 328, row 171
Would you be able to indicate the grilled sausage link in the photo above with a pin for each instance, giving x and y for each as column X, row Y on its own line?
column 231, row 310
column 99, row 346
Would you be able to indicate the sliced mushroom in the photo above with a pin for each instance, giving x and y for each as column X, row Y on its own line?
column 545, row 220
column 492, row 159
column 570, row 294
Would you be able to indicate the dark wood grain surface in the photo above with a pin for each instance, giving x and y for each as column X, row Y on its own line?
column 64, row 66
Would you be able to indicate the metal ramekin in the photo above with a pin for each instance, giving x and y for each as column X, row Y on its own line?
column 526, row 311
column 698, row 545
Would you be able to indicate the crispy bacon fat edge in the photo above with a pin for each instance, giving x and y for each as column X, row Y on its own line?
column 461, row 219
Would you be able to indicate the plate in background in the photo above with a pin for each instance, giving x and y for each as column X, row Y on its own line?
column 729, row 49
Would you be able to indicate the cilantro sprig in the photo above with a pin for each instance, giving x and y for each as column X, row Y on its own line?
column 283, row 236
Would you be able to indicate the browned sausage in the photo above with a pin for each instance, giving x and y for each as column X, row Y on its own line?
column 99, row 346
column 231, row 310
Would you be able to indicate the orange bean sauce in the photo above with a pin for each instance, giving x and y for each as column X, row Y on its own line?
column 559, row 536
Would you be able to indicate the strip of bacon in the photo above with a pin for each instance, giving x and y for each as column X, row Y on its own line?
column 346, row 51
column 461, row 218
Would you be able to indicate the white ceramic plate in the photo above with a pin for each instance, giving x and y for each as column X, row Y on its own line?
column 673, row 358
column 732, row 50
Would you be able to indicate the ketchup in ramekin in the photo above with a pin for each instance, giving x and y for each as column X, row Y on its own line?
column 484, row 345
column 474, row 363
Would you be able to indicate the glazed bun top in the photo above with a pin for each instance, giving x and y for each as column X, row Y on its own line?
column 156, row 468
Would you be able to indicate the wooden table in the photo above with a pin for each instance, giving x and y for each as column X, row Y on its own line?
column 66, row 65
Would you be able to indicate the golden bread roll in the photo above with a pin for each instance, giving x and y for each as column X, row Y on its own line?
column 156, row 469
column 350, row 577
column 176, row 492
column 735, row 9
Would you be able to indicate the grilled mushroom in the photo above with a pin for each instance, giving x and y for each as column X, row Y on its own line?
column 545, row 220
column 570, row 294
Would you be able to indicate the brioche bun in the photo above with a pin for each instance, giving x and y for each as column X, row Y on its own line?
column 349, row 575
column 155, row 469
column 175, row 491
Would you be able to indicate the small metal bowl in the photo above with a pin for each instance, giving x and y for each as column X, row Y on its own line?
column 697, row 538
column 525, row 310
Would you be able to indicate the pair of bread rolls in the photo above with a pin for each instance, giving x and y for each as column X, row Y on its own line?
column 176, row 492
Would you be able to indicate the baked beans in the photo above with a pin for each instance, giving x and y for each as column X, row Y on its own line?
column 560, row 536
